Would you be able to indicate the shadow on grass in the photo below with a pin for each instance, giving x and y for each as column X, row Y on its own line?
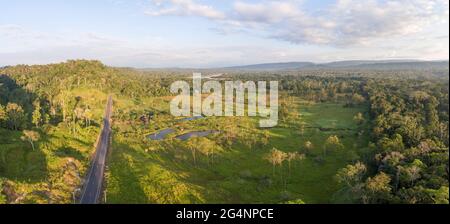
column 204, row 178
column 68, row 151
column 21, row 163
column 132, row 171
column 126, row 181
column 18, row 160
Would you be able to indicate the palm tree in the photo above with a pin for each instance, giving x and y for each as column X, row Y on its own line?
column 30, row 136
column 276, row 158
column 332, row 143
column 292, row 156
column 308, row 146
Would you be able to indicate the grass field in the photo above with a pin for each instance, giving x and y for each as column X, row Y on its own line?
column 143, row 171
column 51, row 172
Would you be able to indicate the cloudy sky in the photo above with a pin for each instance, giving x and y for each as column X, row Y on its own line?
column 207, row 33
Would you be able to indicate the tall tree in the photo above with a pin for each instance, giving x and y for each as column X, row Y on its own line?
column 351, row 174
column 378, row 189
column 37, row 116
column 359, row 118
column 30, row 136
column 16, row 116
column 64, row 103
column 192, row 146
column 3, row 115
column 293, row 156
column 276, row 158
column 308, row 147
column 78, row 114
column 88, row 116
column 332, row 143
column 431, row 116
column 358, row 99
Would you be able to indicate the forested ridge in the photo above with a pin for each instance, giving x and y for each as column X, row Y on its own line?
column 50, row 116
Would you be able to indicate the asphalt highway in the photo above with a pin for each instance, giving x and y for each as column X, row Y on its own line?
column 92, row 189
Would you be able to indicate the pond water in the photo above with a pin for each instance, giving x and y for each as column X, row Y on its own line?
column 161, row 134
column 189, row 135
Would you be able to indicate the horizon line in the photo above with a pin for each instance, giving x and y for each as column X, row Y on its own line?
column 387, row 60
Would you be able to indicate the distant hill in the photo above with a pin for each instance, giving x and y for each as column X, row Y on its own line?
column 354, row 63
column 357, row 64
column 389, row 64
column 274, row 66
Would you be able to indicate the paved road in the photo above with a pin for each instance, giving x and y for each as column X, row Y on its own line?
column 93, row 184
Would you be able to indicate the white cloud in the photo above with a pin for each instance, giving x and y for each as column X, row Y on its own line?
column 265, row 12
column 347, row 29
column 362, row 21
column 184, row 8
column 346, row 22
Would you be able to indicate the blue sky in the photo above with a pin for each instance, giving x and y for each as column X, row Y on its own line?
column 204, row 33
